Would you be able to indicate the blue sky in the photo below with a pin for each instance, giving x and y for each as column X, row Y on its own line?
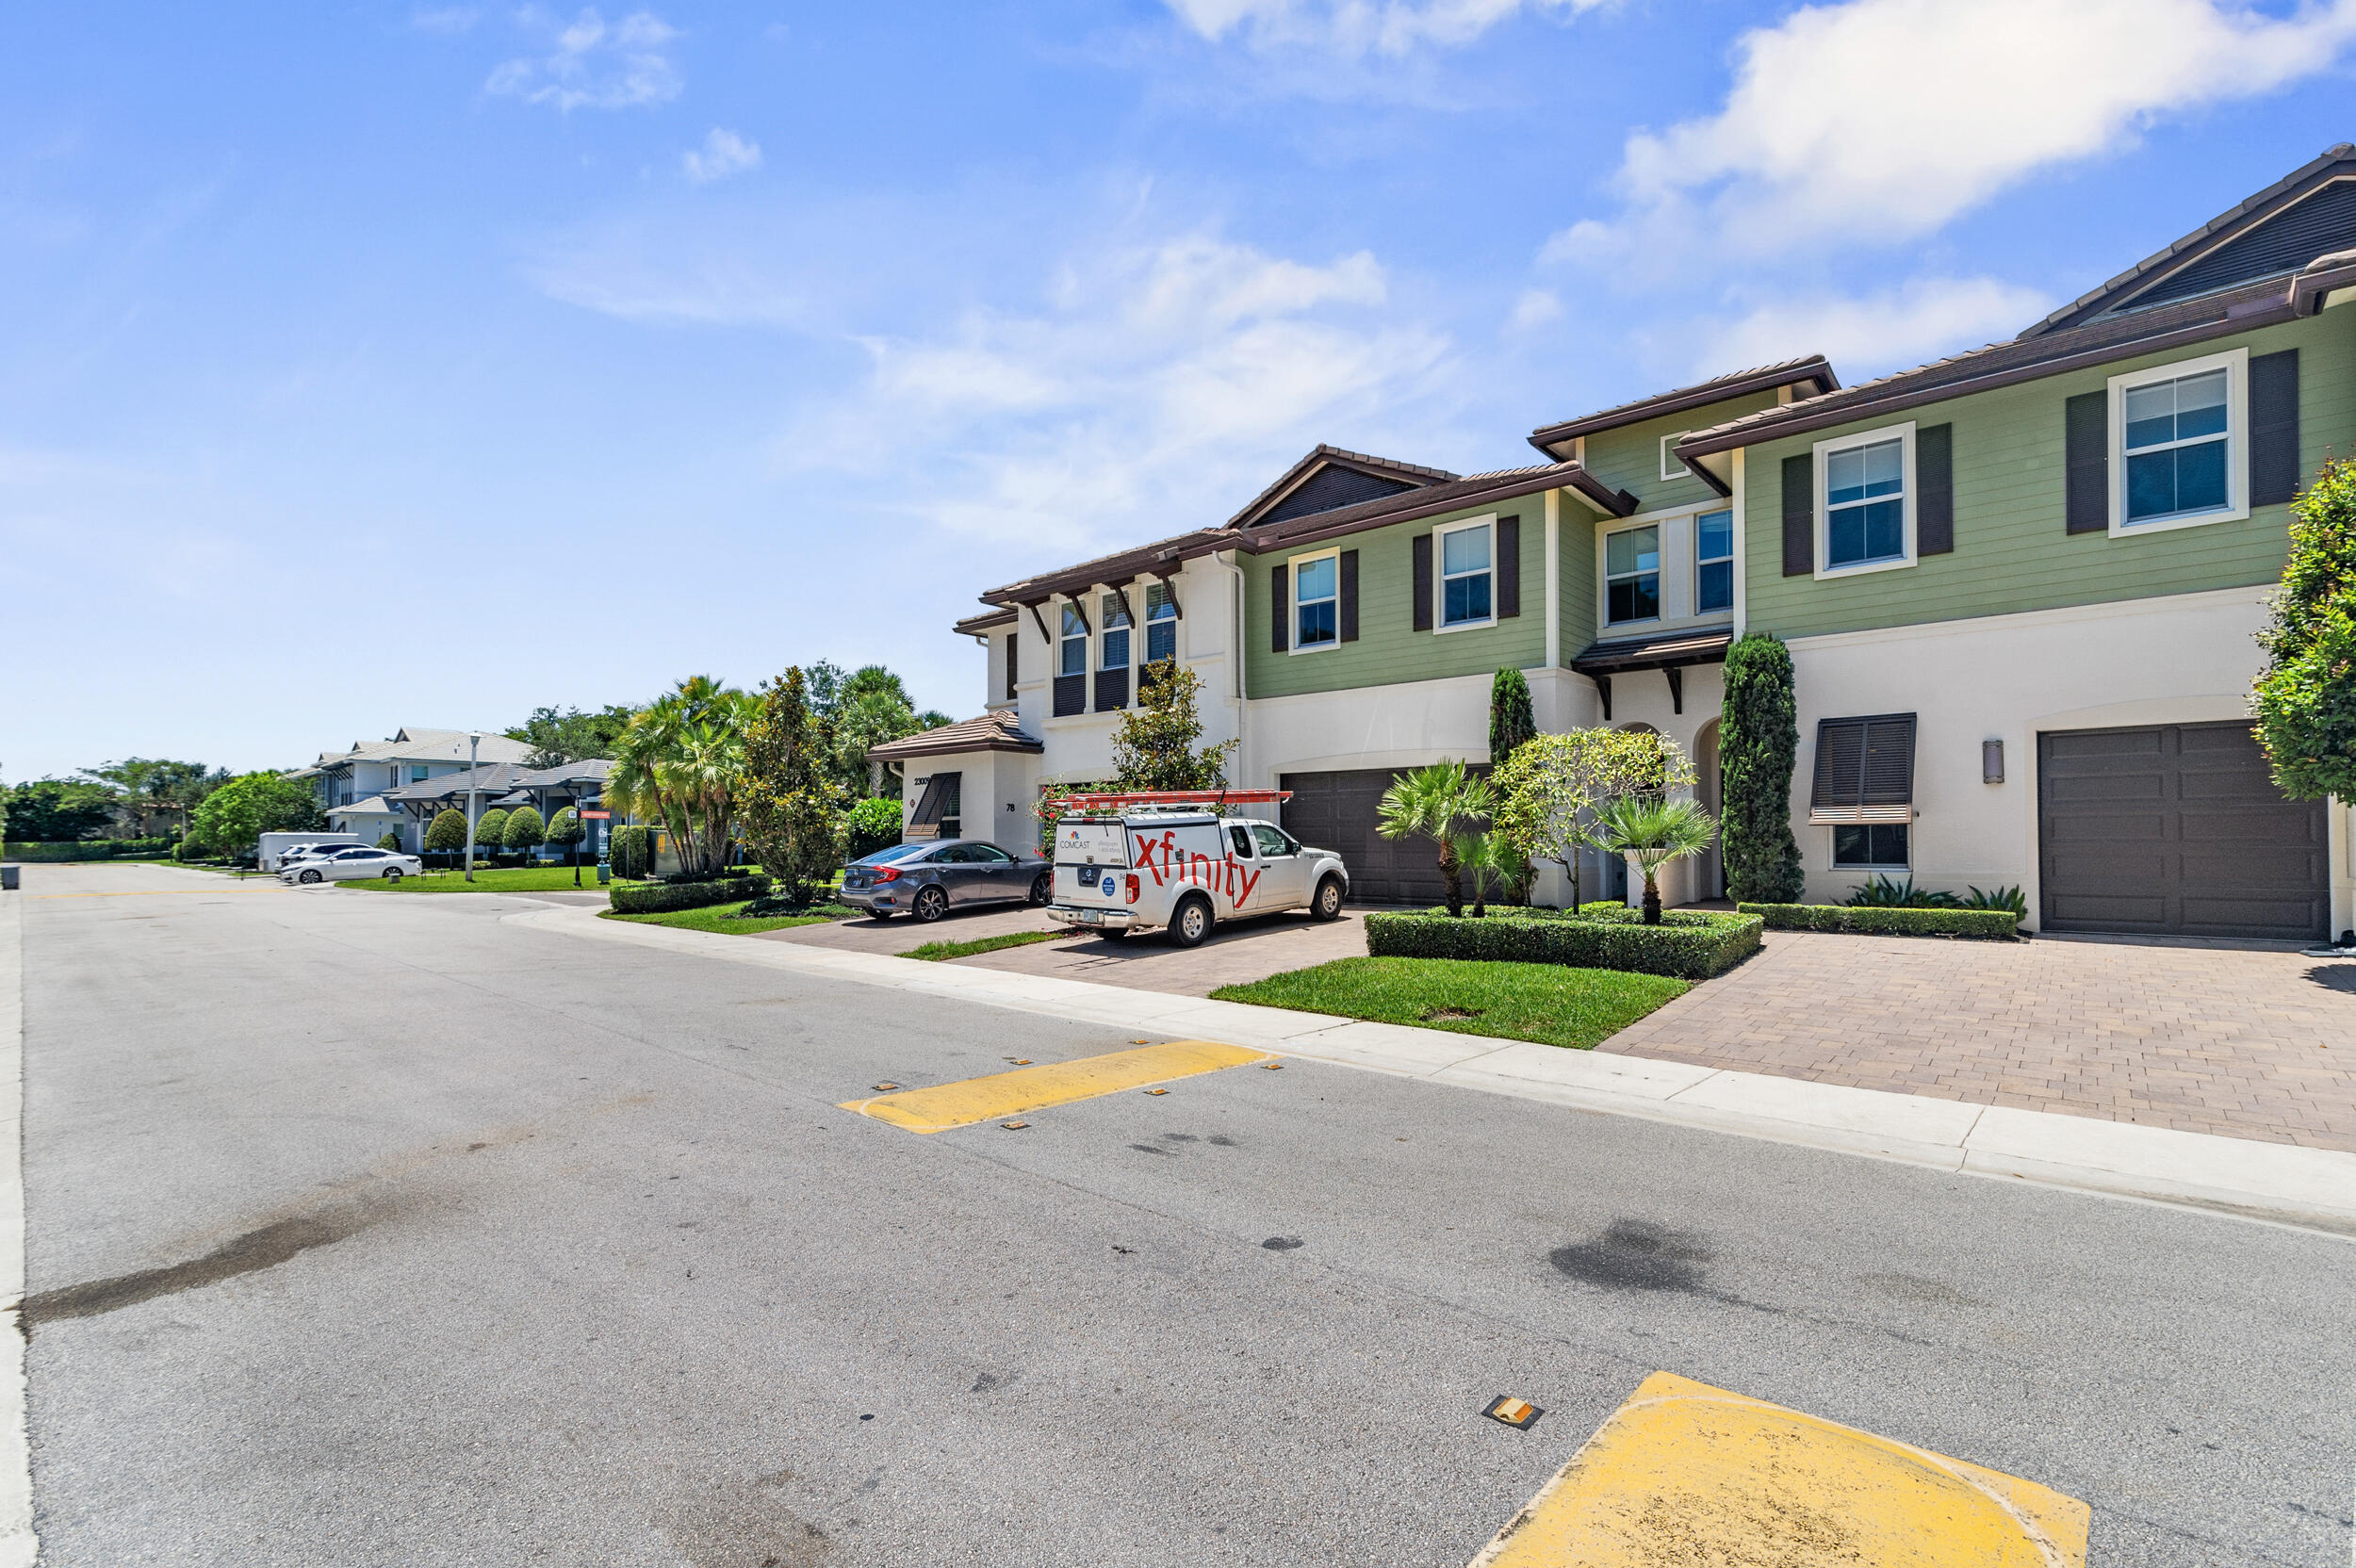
column 367, row 365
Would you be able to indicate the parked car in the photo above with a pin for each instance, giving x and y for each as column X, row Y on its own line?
column 1183, row 869
column 345, row 863
column 927, row 880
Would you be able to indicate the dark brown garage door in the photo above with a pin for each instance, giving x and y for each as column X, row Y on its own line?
column 1338, row 811
column 2176, row 831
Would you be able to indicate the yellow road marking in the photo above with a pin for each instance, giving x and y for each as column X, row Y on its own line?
column 1035, row 1089
column 166, row 893
column 1684, row 1473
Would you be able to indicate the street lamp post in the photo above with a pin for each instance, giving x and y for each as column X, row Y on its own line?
column 474, row 746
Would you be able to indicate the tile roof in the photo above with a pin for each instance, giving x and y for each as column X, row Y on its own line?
column 997, row 730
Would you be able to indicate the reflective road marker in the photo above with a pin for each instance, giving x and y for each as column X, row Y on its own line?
column 1035, row 1089
column 1684, row 1473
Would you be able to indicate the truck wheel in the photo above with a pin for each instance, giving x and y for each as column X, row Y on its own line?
column 931, row 903
column 1039, row 888
column 1191, row 922
column 1328, row 904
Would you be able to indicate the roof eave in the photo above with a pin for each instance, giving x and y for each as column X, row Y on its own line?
column 1817, row 371
column 1620, row 504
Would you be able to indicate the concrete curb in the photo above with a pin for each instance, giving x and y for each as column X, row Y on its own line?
column 18, row 1546
column 2314, row 1188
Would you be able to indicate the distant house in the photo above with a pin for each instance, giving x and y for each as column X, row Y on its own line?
column 350, row 785
column 504, row 785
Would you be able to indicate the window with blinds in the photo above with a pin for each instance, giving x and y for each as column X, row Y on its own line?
column 1864, row 770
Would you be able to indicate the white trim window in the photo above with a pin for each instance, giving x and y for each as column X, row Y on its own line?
column 1631, row 574
column 1112, row 645
column 1714, row 561
column 2180, row 441
column 1161, row 624
column 1073, row 651
column 1467, row 562
column 1872, row 846
column 1865, row 501
column 1317, row 601
column 1671, row 466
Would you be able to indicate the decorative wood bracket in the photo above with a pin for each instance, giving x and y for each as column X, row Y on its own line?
column 1677, row 688
column 1603, row 687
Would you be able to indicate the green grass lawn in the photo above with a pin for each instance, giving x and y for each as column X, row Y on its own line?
column 488, row 879
column 1544, row 1003
column 936, row 952
column 727, row 919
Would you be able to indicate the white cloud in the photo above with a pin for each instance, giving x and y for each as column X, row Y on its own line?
column 1882, row 119
column 1536, row 308
column 1358, row 27
column 724, row 153
column 1162, row 384
column 1916, row 322
column 448, row 20
column 592, row 63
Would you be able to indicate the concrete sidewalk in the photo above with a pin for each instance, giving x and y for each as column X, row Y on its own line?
column 2310, row 1187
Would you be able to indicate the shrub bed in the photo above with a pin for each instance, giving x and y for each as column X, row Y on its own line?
column 1688, row 944
column 36, row 851
column 1986, row 925
column 650, row 898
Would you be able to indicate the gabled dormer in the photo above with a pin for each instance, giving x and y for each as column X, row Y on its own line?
column 2309, row 213
column 1330, row 478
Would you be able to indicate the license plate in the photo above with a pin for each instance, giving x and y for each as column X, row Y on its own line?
column 1091, row 917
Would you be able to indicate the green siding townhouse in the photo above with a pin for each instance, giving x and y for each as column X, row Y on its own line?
column 2021, row 586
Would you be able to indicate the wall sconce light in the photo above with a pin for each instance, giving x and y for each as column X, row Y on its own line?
column 1991, row 761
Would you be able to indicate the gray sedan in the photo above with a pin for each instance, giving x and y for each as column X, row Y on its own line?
column 928, row 881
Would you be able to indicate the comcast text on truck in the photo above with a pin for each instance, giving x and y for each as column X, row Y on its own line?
column 1182, row 861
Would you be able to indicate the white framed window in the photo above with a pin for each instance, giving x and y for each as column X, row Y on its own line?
column 2179, row 444
column 1467, row 585
column 1865, row 501
column 1714, row 561
column 1161, row 624
column 1872, row 846
column 1074, row 649
column 1670, row 466
column 1317, row 601
column 1631, row 574
column 1112, row 644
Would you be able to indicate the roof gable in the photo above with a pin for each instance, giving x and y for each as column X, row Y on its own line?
column 1330, row 477
column 2308, row 213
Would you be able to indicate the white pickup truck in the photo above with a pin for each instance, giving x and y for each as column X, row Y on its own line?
column 1183, row 869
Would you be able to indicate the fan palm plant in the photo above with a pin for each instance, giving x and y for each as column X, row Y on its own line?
column 1437, row 803
column 1495, row 865
column 1656, row 832
column 681, row 763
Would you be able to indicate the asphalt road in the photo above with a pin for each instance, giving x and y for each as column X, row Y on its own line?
column 366, row 1228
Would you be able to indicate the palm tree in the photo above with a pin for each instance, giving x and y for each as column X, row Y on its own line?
column 1656, row 832
column 1436, row 802
column 681, row 763
column 1494, row 864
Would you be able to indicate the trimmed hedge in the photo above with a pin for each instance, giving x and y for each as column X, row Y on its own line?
column 652, row 898
column 1689, row 944
column 1986, row 925
column 37, row 850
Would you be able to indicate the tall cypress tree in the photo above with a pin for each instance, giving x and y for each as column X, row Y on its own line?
column 1511, row 718
column 1758, row 747
column 794, row 810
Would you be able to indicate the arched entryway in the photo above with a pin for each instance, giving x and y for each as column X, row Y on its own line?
column 1710, row 880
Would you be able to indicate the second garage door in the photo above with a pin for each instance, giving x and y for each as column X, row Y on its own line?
column 1338, row 811
column 2176, row 831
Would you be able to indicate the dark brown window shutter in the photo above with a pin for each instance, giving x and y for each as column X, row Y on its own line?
column 2087, row 434
column 1799, row 515
column 1279, row 590
column 1014, row 641
column 1867, row 761
column 1509, row 566
column 1349, row 595
column 2274, row 428
column 1422, row 545
column 1935, row 490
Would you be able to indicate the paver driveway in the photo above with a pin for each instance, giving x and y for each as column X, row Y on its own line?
column 2249, row 1043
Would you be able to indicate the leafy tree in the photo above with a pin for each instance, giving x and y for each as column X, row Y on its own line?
column 232, row 818
column 59, row 810
column 1655, row 831
column 866, row 707
column 570, row 736
column 447, row 833
column 490, row 828
column 1437, row 803
column 2305, row 702
column 524, row 830
column 1759, row 747
column 1550, row 790
column 1512, row 721
column 792, row 808
column 871, row 826
column 1153, row 742
column 681, row 763
column 151, row 785
column 391, row 841
column 566, row 828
